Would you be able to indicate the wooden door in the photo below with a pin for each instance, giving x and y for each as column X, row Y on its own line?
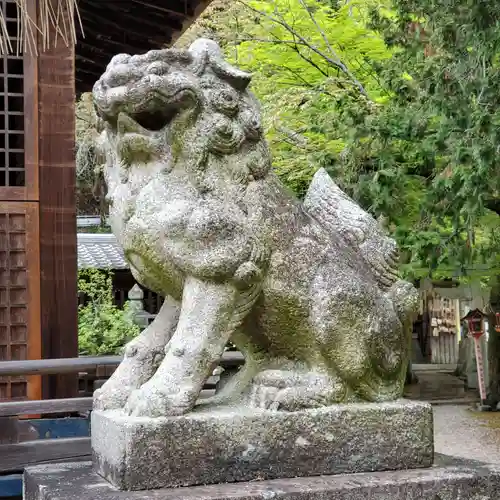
column 38, row 317
column 19, row 295
column 19, row 215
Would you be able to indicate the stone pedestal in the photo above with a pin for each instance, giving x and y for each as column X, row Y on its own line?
column 226, row 445
column 447, row 480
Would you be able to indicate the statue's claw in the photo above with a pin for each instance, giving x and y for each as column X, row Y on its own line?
column 139, row 364
column 108, row 400
column 151, row 402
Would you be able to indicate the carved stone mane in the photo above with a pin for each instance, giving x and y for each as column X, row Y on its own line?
column 142, row 93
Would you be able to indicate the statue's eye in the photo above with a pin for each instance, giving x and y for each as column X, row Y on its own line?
column 226, row 102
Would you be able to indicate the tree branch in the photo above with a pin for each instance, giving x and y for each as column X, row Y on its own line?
column 266, row 40
column 291, row 137
column 323, row 35
column 310, row 61
column 335, row 63
column 295, row 47
column 296, row 74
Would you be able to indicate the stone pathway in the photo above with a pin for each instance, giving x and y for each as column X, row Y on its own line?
column 461, row 432
column 438, row 386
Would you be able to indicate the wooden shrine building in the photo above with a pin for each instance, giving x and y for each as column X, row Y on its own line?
column 38, row 88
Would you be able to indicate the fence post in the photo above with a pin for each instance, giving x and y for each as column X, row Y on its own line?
column 9, row 430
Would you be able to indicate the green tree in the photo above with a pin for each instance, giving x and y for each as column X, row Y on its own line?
column 308, row 59
column 437, row 136
column 361, row 90
column 91, row 189
column 440, row 132
column 103, row 328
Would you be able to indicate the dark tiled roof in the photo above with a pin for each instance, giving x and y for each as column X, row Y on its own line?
column 100, row 251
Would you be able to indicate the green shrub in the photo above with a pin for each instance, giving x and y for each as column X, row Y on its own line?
column 103, row 328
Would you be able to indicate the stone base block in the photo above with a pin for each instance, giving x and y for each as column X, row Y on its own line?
column 227, row 445
column 447, row 480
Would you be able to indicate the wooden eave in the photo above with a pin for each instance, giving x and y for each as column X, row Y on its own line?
column 127, row 26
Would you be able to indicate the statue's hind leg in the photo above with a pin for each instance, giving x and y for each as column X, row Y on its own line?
column 255, row 360
column 291, row 390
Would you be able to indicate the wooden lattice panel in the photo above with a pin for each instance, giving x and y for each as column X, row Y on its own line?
column 12, row 171
column 19, row 300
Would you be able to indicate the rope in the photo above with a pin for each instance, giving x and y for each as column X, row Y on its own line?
column 55, row 20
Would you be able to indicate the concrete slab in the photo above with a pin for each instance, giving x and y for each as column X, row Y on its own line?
column 449, row 479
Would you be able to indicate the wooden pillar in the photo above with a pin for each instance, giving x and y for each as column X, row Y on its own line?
column 38, row 262
column 50, row 145
column 57, row 180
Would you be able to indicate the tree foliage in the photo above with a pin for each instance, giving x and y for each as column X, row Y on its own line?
column 103, row 328
column 90, row 184
column 396, row 100
column 437, row 137
column 308, row 59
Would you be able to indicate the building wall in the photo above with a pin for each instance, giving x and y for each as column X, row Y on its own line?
column 38, row 295
column 444, row 345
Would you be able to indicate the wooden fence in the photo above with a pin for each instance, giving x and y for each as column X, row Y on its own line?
column 62, row 434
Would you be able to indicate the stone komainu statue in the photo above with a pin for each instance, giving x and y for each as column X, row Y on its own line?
column 307, row 291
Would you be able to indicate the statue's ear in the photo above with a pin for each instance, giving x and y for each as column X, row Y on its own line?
column 199, row 50
column 207, row 52
column 205, row 45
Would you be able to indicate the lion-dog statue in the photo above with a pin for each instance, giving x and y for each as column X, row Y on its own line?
column 308, row 291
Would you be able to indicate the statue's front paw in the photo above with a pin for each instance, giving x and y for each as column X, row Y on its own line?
column 151, row 402
column 101, row 401
column 110, row 399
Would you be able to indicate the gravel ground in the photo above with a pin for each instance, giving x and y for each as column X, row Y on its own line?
column 461, row 432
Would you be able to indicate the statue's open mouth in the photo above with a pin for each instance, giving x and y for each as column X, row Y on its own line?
column 140, row 128
column 153, row 113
